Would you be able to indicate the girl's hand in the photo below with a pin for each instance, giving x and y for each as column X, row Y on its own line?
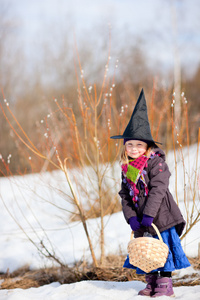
column 134, row 223
column 147, row 220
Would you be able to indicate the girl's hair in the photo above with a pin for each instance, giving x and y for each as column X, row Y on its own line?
column 124, row 157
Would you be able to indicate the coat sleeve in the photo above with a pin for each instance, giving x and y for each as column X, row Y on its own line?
column 158, row 184
column 127, row 203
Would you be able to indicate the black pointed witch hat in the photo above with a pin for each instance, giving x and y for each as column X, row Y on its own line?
column 138, row 127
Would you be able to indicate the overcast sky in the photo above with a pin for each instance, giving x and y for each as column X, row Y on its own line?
column 153, row 20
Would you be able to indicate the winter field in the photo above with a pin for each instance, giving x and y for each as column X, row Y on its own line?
column 34, row 201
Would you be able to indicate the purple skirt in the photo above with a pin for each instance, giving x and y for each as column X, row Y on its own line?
column 176, row 259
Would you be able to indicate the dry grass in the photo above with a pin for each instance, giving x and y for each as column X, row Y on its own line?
column 193, row 279
column 25, row 278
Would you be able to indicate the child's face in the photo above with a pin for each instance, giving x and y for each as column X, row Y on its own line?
column 135, row 148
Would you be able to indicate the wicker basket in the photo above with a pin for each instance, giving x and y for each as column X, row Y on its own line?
column 147, row 253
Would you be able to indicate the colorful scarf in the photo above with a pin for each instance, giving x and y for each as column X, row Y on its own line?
column 133, row 172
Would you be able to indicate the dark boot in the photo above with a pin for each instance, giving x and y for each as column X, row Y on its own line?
column 151, row 284
column 164, row 287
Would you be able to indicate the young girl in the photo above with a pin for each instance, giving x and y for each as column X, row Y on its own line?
column 146, row 199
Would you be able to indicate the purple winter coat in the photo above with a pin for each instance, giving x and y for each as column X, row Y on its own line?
column 159, row 204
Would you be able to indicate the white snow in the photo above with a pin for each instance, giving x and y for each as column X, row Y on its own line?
column 26, row 198
column 94, row 290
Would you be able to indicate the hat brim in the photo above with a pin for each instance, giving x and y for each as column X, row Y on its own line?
column 131, row 138
column 117, row 137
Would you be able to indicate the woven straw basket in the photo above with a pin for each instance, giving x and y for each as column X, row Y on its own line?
column 148, row 253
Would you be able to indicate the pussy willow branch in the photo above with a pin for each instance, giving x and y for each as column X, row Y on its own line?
column 175, row 159
column 81, row 212
column 25, row 143
column 18, row 124
column 53, row 256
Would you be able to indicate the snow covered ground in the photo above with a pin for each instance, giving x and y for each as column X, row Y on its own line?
column 25, row 197
column 93, row 290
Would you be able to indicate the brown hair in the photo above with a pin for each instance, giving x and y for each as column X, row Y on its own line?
column 124, row 157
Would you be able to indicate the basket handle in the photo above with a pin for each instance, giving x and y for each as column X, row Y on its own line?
column 156, row 230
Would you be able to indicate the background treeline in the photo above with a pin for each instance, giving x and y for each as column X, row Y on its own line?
column 30, row 89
